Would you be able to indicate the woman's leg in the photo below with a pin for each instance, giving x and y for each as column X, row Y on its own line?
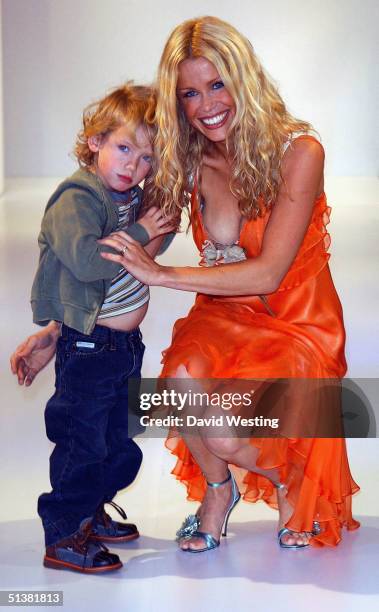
column 214, row 468
column 240, row 452
column 213, row 455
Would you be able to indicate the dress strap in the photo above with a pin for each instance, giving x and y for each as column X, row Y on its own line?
column 191, row 181
column 195, row 199
column 293, row 137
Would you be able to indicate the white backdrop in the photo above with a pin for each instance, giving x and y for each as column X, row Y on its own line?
column 61, row 54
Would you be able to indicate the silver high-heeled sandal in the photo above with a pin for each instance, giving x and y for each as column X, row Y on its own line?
column 190, row 526
column 285, row 531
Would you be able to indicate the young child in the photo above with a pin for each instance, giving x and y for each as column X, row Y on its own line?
column 100, row 307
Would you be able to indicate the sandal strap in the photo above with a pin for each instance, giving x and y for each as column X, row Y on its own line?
column 284, row 531
column 214, row 485
column 279, row 485
column 316, row 528
column 210, row 541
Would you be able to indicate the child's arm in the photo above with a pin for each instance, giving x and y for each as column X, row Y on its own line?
column 152, row 224
column 156, row 223
column 72, row 227
column 158, row 245
column 34, row 353
column 74, row 224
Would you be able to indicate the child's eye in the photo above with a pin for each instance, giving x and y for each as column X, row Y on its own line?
column 124, row 148
column 218, row 85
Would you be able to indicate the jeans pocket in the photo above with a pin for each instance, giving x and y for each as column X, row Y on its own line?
column 87, row 369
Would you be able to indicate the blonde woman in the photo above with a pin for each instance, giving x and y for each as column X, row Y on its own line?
column 266, row 304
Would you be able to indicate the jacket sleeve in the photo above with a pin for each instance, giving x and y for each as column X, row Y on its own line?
column 72, row 226
column 168, row 238
column 138, row 232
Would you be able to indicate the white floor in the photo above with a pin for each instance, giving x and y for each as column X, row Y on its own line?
column 248, row 571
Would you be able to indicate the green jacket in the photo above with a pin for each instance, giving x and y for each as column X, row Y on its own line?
column 72, row 278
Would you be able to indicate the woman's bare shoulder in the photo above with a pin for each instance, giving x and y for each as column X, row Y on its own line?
column 304, row 144
column 304, row 157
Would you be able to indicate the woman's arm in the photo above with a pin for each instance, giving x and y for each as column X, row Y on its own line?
column 302, row 171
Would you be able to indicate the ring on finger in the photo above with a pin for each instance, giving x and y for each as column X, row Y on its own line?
column 123, row 250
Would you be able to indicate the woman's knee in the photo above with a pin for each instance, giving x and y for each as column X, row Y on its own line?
column 225, row 447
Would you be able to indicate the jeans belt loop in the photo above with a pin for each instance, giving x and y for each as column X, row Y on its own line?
column 64, row 332
column 112, row 340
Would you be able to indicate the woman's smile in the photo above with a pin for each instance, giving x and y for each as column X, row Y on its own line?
column 216, row 121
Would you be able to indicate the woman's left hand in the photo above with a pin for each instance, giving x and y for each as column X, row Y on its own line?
column 132, row 256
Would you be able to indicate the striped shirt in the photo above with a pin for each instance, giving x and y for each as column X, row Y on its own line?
column 125, row 293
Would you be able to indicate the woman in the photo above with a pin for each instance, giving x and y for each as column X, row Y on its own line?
column 266, row 304
column 268, row 308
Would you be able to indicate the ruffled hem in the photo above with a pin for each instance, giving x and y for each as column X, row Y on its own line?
column 315, row 493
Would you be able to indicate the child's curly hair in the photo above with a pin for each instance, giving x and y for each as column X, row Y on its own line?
column 131, row 104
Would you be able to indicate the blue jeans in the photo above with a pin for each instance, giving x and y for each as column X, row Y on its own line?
column 87, row 419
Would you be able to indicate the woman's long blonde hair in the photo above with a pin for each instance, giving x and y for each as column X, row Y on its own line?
column 259, row 129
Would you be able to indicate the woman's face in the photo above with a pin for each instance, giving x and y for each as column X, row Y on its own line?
column 207, row 104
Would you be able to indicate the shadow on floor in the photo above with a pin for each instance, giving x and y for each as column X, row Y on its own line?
column 249, row 552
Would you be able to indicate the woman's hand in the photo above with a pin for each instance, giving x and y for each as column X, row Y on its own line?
column 32, row 355
column 155, row 223
column 133, row 257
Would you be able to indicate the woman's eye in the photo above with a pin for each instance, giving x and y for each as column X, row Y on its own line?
column 218, row 85
column 124, row 148
column 189, row 94
column 148, row 159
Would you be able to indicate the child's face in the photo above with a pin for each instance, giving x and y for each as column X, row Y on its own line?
column 123, row 157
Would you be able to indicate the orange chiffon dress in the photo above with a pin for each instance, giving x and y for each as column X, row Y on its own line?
column 237, row 337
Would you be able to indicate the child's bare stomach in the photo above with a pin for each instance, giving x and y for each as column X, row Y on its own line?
column 127, row 321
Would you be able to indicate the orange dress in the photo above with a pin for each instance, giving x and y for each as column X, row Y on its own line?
column 237, row 337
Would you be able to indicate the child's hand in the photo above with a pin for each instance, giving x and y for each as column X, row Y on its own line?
column 156, row 224
column 34, row 354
